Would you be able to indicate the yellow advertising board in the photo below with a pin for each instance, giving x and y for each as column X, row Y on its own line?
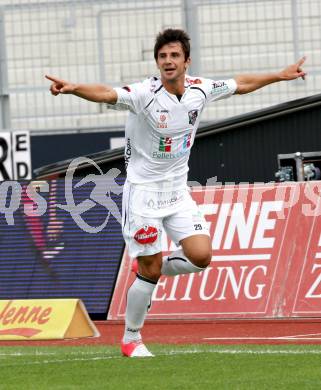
column 45, row 319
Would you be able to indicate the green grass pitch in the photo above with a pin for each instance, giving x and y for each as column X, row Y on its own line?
column 187, row 367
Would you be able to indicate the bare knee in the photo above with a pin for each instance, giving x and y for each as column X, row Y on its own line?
column 201, row 257
column 150, row 266
column 198, row 250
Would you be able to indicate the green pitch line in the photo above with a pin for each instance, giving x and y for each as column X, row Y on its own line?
column 174, row 367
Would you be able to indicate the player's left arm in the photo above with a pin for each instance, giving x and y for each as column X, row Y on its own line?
column 250, row 82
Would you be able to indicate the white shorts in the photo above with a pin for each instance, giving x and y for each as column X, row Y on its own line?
column 146, row 214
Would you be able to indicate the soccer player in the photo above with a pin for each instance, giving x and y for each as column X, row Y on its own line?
column 164, row 113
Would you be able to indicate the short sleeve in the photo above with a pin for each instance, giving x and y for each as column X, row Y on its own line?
column 131, row 97
column 219, row 89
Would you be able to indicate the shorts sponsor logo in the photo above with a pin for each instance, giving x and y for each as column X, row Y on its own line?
column 146, row 235
column 165, row 201
column 192, row 116
column 151, row 204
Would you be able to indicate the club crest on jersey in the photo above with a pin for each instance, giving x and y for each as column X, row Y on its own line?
column 162, row 121
column 192, row 116
column 146, row 235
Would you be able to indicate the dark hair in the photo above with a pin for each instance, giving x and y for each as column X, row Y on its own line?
column 172, row 35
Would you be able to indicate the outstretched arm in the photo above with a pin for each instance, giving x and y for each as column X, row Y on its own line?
column 250, row 82
column 94, row 92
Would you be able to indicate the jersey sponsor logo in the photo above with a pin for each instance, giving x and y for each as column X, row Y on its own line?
column 168, row 150
column 169, row 156
column 146, row 235
column 192, row 116
column 165, row 144
column 187, row 141
column 218, row 87
column 193, row 81
column 128, row 152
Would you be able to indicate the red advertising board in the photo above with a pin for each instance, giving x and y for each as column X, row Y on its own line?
column 266, row 259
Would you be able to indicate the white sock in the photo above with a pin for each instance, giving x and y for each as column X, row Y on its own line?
column 138, row 300
column 177, row 263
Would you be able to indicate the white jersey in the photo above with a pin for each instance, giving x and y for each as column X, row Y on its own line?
column 160, row 129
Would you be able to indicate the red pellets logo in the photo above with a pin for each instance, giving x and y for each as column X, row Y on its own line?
column 146, row 235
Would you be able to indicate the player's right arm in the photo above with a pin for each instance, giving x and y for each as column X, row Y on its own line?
column 94, row 92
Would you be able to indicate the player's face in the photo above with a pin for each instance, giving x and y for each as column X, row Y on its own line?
column 171, row 62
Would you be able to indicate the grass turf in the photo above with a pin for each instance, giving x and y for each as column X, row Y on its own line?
column 174, row 367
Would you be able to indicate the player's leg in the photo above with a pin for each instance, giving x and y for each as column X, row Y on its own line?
column 143, row 239
column 139, row 297
column 139, row 294
column 193, row 256
column 190, row 229
column 197, row 248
